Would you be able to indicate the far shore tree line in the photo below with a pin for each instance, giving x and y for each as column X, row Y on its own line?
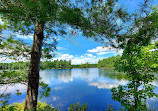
column 61, row 64
column 109, row 63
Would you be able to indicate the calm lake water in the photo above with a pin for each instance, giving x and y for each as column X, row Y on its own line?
column 91, row 86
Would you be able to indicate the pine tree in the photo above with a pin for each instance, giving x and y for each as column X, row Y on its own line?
column 46, row 19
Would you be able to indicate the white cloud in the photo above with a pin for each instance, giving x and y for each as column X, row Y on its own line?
column 28, row 37
column 89, row 55
column 66, row 56
column 103, row 53
column 85, row 58
column 97, row 49
column 61, row 48
column 108, row 85
column 103, row 85
column 79, row 59
column 105, row 50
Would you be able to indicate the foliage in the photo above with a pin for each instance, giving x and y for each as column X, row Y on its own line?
column 56, row 64
column 41, row 18
column 62, row 64
column 8, row 78
column 110, row 108
column 143, row 59
column 14, row 49
column 86, row 65
column 138, row 60
column 44, row 90
column 41, row 106
column 50, row 17
column 104, row 25
column 109, row 62
column 54, row 16
column 77, row 107
column 151, row 107
column 91, row 17
column 4, row 98
column 14, row 66
column 12, row 77
column 111, row 73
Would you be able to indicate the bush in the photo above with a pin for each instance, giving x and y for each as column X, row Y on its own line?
column 42, row 106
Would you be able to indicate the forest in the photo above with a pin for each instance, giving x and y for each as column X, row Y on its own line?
column 61, row 64
column 108, row 63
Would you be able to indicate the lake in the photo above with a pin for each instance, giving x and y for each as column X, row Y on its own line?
column 92, row 86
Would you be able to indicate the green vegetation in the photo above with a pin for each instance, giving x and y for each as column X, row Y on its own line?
column 62, row 64
column 77, row 107
column 47, row 19
column 11, row 77
column 113, row 74
column 56, row 64
column 138, row 65
column 86, row 65
column 138, row 60
column 108, row 62
column 20, row 107
column 42, row 106
column 150, row 108
column 14, row 66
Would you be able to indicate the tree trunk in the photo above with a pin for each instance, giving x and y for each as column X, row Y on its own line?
column 33, row 73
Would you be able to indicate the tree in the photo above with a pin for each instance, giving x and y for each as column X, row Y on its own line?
column 138, row 60
column 109, row 62
column 138, row 66
column 26, row 16
column 47, row 18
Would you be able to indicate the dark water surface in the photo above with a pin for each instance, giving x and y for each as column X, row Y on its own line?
column 91, row 86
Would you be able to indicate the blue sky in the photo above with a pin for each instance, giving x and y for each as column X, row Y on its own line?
column 80, row 49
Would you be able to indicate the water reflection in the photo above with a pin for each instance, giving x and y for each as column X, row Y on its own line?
column 134, row 95
column 91, row 86
column 12, row 88
column 110, row 73
column 106, row 84
column 48, row 76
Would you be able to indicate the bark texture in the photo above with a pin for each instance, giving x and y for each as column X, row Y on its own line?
column 33, row 73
